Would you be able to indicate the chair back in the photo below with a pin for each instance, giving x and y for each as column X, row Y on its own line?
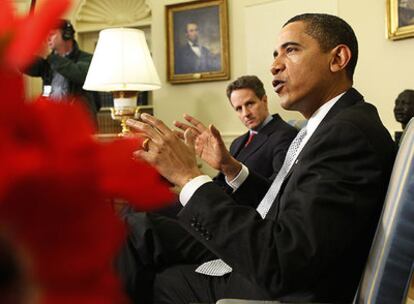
column 390, row 264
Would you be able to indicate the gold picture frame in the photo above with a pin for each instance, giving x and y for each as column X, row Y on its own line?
column 400, row 19
column 197, row 41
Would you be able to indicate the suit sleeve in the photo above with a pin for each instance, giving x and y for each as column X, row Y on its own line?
column 326, row 207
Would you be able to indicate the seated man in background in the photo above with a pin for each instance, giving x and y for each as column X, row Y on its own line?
column 307, row 237
column 263, row 148
column 64, row 70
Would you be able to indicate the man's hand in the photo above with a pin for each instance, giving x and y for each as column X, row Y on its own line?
column 210, row 147
column 173, row 158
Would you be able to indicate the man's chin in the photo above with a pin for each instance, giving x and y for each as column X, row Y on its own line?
column 251, row 126
column 286, row 104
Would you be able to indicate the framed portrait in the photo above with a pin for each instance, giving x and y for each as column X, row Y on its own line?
column 197, row 41
column 400, row 19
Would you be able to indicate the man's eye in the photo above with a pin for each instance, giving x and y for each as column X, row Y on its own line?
column 290, row 50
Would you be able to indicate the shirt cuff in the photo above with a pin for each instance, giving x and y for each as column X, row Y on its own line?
column 239, row 179
column 192, row 186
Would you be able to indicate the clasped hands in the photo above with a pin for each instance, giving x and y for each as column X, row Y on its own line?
column 173, row 152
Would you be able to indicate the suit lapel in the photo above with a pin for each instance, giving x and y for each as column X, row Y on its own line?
column 259, row 139
column 239, row 144
column 350, row 98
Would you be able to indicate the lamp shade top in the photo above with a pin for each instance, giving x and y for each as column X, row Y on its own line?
column 122, row 62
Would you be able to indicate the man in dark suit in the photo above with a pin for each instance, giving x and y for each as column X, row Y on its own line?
column 309, row 237
column 192, row 57
column 263, row 148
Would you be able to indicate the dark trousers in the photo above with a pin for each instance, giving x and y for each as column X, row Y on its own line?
column 158, row 261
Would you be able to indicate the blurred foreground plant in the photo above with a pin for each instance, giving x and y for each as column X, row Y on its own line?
column 56, row 183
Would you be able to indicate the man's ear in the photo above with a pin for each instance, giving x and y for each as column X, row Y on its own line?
column 264, row 98
column 341, row 55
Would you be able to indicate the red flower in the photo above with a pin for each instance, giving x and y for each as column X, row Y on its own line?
column 57, row 180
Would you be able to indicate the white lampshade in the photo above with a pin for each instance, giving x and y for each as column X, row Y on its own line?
column 122, row 62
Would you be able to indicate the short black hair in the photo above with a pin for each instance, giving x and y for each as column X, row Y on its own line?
column 247, row 82
column 330, row 31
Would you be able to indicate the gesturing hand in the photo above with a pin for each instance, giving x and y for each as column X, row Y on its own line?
column 173, row 158
column 209, row 146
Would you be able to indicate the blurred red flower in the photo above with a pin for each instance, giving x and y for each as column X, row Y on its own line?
column 57, row 180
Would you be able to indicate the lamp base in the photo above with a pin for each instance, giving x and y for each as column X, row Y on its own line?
column 123, row 116
column 125, row 107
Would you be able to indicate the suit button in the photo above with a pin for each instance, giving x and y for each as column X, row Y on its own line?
column 207, row 236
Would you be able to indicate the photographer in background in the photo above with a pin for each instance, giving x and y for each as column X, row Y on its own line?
column 64, row 70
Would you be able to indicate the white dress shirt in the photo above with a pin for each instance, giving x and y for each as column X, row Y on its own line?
column 196, row 48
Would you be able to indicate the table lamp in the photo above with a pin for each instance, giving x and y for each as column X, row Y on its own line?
column 122, row 64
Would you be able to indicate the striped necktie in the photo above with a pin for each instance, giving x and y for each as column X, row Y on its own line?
column 218, row 267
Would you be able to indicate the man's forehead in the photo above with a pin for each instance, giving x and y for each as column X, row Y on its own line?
column 294, row 31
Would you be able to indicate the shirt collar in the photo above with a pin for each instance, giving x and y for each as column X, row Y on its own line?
column 264, row 123
column 192, row 44
column 320, row 114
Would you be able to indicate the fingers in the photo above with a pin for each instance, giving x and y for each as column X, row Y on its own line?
column 215, row 132
column 145, row 144
column 179, row 134
column 155, row 123
column 181, row 125
column 144, row 128
column 190, row 136
column 144, row 155
column 184, row 127
column 196, row 123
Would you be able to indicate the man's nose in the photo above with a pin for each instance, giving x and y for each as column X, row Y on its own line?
column 246, row 112
column 277, row 66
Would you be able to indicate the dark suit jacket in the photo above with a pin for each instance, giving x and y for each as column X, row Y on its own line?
column 186, row 61
column 313, row 243
column 266, row 152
